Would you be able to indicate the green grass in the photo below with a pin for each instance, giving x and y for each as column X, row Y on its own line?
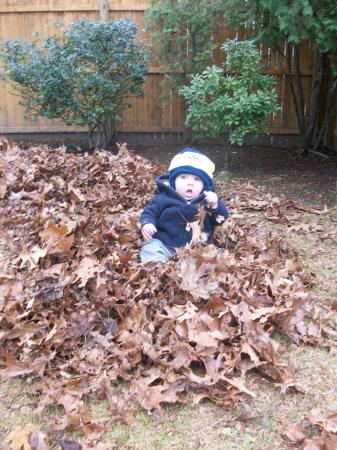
column 207, row 426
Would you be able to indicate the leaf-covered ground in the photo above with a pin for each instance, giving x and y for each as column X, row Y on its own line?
column 83, row 321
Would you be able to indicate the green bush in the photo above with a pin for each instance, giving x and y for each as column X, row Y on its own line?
column 82, row 77
column 235, row 99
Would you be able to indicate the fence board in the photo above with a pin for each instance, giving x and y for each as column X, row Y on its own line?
column 21, row 6
column 20, row 19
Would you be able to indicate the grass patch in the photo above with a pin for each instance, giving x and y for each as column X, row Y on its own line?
column 263, row 420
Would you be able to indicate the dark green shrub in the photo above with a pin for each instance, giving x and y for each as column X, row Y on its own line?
column 83, row 77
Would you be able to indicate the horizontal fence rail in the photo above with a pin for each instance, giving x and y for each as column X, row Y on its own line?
column 20, row 19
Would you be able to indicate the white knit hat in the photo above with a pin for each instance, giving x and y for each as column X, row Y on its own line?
column 192, row 161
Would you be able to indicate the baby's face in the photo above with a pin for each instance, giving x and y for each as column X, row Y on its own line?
column 188, row 185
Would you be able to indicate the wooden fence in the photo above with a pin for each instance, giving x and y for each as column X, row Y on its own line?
column 20, row 19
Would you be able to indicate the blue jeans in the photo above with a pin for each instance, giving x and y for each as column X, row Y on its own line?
column 154, row 250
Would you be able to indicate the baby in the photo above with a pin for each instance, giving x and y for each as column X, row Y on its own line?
column 187, row 186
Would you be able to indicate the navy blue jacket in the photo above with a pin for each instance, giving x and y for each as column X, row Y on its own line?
column 170, row 213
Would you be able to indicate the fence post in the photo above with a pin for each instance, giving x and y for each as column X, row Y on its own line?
column 104, row 10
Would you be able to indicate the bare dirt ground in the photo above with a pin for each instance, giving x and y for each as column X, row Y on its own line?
column 312, row 180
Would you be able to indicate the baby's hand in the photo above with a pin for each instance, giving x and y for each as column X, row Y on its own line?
column 148, row 230
column 211, row 199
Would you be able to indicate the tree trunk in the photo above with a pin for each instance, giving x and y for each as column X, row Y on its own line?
column 331, row 108
column 299, row 92
column 289, row 78
column 325, row 136
column 313, row 134
column 108, row 129
column 329, row 138
column 99, row 136
column 313, row 109
column 91, row 131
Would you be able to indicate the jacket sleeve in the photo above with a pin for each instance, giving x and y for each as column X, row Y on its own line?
column 219, row 214
column 151, row 212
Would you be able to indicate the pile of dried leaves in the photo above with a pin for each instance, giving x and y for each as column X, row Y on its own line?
column 78, row 310
column 302, row 433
